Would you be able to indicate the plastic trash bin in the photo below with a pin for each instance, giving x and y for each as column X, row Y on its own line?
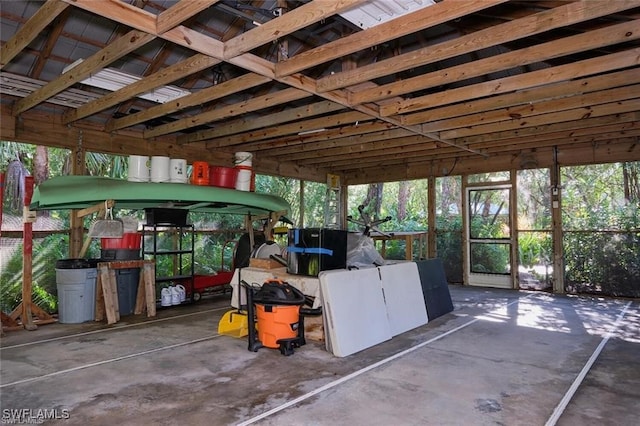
column 126, row 279
column 127, row 282
column 76, row 284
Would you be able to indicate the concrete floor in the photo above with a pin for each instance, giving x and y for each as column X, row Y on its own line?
column 502, row 357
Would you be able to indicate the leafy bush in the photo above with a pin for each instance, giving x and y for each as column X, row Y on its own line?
column 45, row 254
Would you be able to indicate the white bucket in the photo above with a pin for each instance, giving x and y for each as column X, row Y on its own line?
column 159, row 169
column 243, row 159
column 178, row 170
column 138, row 168
column 243, row 179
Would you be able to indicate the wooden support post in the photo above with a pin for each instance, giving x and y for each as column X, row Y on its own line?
column 431, row 218
column 27, row 261
column 76, row 232
column 27, row 309
column 140, row 305
column 4, row 318
column 107, row 277
column 556, row 224
column 107, row 289
column 149, row 273
column 100, row 311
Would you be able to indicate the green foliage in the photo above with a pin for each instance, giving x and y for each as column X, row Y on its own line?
column 287, row 188
column 45, row 254
column 490, row 258
column 416, row 207
column 605, row 262
column 449, row 249
column 534, row 248
column 315, row 195
column 602, row 231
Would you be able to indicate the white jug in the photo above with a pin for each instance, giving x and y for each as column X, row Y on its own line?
column 175, row 296
column 182, row 292
column 165, row 299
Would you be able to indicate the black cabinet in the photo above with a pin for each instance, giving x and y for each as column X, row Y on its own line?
column 172, row 249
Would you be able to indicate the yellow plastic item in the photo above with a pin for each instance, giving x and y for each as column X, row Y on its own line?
column 234, row 323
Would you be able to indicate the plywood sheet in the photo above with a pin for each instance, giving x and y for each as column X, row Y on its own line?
column 354, row 309
column 403, row 297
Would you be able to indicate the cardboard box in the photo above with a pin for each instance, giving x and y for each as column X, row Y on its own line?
column 265, row 263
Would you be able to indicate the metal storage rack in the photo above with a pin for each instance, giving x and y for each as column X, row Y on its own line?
column 178, row 242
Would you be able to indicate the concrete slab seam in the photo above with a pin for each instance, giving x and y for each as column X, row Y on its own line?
column 95, row 364
column 365, row 370
column 562, row 405
column 120, row 327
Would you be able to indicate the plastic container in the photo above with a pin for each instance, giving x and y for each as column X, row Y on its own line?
column 119, row 254
column 243, row 159
column 244, row 178
column 223, row 177
column 200, row 173
column 160, row 169
column 177, row 217
column 129, row 240
column 165, row 295
column 76, row 284
column 178, row 170
column 127, row 282
column 277, row 322
column 138, row 168
column 278, row 312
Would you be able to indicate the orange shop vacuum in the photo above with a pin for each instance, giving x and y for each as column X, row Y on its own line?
column 280, row 325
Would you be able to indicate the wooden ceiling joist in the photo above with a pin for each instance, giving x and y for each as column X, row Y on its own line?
column 28, row 32
column 121, row 47
column 527, row 26
column 457, row 86
column 180, row 12
column 569, row 45
column 248, row 124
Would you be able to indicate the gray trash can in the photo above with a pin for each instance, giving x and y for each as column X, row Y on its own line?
column 76, row 283
column 126, row 279
column 127, row 282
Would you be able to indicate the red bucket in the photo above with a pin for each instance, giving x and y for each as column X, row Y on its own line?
column 129, row 240
column 223, row 177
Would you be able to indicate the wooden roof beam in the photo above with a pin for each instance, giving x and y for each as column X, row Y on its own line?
column 180, row 12
column 171, row 73
column 419, row 20
column 574, row 115
column 544, row 21
column 30, row 30
column 542, row 129
column 534, row 109
column 365, row 133
column 300, row 126
column 288, row 23
column 602, row 64
column 121, row 47
column 137, row 18
column 386, row 147
column 142, row 20
column 247, row 124
column 209, row 94
column 255, row 104
column 593, row 39
column 521, row 97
